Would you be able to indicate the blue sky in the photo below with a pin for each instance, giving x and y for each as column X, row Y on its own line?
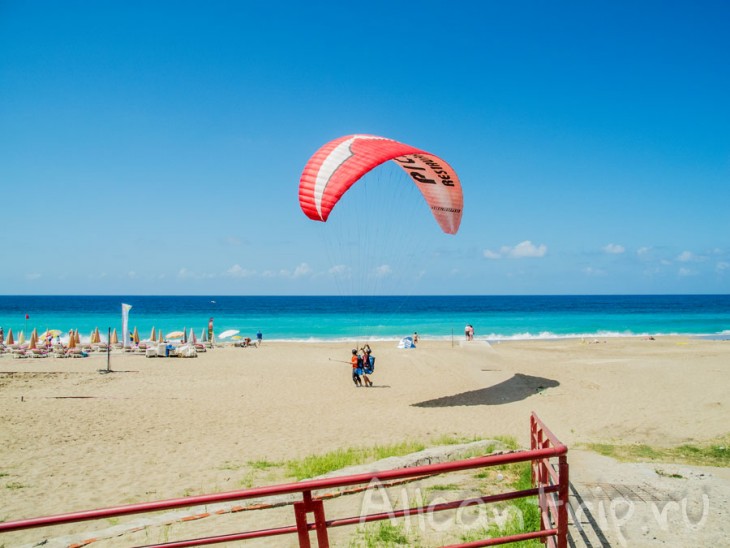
column 156, row 147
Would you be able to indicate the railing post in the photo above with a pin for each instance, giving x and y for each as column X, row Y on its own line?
column 563, row 497
column 301, row 509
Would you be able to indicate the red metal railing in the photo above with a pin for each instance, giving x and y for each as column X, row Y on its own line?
column 550, row 486
column 553, row 505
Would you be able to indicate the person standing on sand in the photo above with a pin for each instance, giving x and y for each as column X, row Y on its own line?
column 367, row 365
column 356, row 367
column 259, row 338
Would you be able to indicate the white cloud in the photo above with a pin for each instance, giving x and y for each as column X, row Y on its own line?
column 383, row 270
column 33, row 276
column 614, row 249
column 684, row 272
column 185, row 274
column 643, row 251
column 237, row 271
column 527, row 249
column 302, row 270
column 688, row 257
column 520, row 251
column 722, row 266
column 340, row 271
column 590, row 271
column 132, row 275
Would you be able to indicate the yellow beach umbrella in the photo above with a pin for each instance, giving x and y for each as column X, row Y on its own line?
column 135, row 335
column 10, row 339
column 153, row 335
column 115, row 337
column 175, row 334
column 33, row 340
column 97, row 336
column 21, row 338
column 71, row 339
column 77, row 337
column 160, row 337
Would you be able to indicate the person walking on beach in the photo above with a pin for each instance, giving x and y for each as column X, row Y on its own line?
column 356, row 367
column 259, row 338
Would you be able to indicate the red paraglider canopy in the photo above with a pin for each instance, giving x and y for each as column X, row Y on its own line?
column 336, row 166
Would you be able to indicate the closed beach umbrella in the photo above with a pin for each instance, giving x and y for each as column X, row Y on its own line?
column 135, row 335
column 115, row 337
column 193, row 339
column 21, row 338
column 153, row 335
column 33, row 340
column 185, row 334
column 97, row 335
column 77, row 337
column 71, row 339
column 160, row 337
column 10, row 339
column 204, row 336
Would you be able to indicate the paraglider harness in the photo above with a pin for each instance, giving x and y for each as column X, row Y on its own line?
column 369, row 365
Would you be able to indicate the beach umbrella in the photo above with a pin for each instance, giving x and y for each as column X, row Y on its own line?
column 33, row 340
column 175, row 334
column 185, row 334
column 160, row 337
column 193, row 338
column 153, row 335
column 204, row 336
column 135, row 335
column 71, row 339
column 77, row 337
column 21, row 338
column 10, row 339
column 228, row 333
column 115, row 337
column 97, row 336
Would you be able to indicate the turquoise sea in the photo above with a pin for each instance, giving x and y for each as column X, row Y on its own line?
column 309, row 318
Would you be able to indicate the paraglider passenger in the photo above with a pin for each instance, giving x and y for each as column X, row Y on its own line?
column 367, row 366
column 356, row 368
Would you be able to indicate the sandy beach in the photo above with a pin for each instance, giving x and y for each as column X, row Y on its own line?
column 75, row 439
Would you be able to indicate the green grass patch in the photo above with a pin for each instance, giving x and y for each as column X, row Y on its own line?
column 444, row 487
column 509, row 442
column 317, row 465
column 383, row 535
column 264, row 464
column 714, row 453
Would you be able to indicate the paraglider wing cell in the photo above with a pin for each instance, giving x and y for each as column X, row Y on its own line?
column 335, row 167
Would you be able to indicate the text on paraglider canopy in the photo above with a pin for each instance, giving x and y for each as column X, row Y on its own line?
column 416, row 170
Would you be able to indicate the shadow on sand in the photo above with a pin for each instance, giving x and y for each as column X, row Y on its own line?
column 513, row 389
